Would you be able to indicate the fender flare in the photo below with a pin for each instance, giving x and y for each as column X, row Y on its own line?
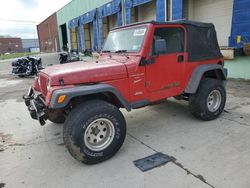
column 85, row 90
column 198, row 72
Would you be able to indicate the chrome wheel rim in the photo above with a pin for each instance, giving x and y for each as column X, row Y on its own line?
column 214, row 100
column 99, row 134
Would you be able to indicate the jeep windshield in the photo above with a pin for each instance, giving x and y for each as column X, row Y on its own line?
column 126, row 40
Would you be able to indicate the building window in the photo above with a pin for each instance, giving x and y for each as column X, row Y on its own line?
column 73, row 38
column 87, row 36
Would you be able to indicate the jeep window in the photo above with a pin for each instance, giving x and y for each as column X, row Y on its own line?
column 126, row 40
column 174, row 38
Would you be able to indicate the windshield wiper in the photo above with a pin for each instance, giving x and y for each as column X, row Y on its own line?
column 106, row 51
column 120, row 51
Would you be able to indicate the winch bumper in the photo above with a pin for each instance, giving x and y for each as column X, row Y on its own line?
column 36, row 106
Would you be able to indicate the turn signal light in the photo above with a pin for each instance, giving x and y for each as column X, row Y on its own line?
column 61, row 99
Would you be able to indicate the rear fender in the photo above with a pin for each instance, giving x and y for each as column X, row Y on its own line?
column 200, row 71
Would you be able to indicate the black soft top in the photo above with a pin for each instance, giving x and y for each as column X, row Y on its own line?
column 202, row 41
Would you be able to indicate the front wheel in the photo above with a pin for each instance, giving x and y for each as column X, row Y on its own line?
column 209, row 100
column 94, row 131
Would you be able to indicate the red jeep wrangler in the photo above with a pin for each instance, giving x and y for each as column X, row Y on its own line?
column 140, row 64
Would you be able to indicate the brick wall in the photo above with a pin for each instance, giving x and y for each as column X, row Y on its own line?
column 48, row 34
column 12, row 45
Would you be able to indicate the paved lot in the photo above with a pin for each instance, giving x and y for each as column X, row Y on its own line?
column 208, row 154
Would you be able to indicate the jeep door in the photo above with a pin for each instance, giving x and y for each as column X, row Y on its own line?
column 165, row 74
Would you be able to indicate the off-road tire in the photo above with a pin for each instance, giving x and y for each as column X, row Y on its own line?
column 199, row 102
column 78, row 124
column 56, row 116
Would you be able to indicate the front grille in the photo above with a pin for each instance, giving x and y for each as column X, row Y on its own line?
column 43, row 86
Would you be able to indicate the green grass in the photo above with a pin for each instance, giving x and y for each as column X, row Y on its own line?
column 16, row 55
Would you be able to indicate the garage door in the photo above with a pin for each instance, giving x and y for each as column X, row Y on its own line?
column 218, row 12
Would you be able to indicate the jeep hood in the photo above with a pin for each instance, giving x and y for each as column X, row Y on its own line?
column 85, row 72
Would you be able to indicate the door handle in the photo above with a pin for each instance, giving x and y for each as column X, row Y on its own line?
column 180, row 58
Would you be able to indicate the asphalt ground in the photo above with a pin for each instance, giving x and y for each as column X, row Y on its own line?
column 207, row 154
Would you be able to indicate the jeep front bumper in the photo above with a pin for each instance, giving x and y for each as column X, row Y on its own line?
column 36, row 106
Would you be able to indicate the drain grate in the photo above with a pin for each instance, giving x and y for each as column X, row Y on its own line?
column 152, row 161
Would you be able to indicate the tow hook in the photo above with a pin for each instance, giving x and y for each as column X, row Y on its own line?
column 35, row 106
column 28, row 97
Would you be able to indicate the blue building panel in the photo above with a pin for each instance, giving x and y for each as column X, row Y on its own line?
column 128, row 6
column 177, row 9
column 88, row 17
column 160, row 10
column 85, row 19
column 110, row 8
column 140, row 2
column 240, row 32
column 95, row 26
column 242, row 17
column 100, row 27
column 73, row 23
column 79, row 37
column 119, row 18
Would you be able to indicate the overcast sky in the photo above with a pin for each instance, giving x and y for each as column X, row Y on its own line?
column 26, row 10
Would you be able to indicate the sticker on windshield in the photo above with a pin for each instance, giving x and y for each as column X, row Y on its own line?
column 140, row 32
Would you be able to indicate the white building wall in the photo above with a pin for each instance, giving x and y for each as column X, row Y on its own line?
column 218, row 12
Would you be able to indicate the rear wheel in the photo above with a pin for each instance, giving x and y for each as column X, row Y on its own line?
column 209, row 100
column 94, row 131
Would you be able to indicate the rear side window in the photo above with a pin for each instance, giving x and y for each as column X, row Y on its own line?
column 174, row 38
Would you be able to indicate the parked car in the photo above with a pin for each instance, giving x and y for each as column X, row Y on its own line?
column 140, row 64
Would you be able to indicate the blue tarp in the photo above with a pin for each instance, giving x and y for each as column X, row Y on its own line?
column 110, row 8
column 160, row 10
column 140, row 2
column 177, row 9
column 128, row 6
column 79, row 38
column 113, row 7
column 88, row 17
column 95, row 47
column 240, row 24
column 73, row 23
column 85, row 19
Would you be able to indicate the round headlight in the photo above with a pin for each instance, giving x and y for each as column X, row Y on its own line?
column 48, row 85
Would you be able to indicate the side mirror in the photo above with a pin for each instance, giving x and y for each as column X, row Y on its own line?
column 160, row 46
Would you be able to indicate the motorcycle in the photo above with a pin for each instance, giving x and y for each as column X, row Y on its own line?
column 68, row 57
column 26, row 66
